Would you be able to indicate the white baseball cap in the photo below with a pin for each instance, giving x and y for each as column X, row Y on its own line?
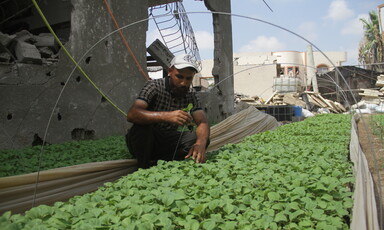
column 184, row 61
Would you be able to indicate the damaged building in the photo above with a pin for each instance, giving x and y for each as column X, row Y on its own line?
column 46, row 97
column 344, row 83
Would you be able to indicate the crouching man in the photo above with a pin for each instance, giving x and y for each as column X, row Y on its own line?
column 161, row 114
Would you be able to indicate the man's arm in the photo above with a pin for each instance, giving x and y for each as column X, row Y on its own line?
column 198, row 150
column 138, row 114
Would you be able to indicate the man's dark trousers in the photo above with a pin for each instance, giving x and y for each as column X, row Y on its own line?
column 149, row 144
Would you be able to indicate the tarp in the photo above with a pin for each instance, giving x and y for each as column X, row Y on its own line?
column 240, row 125
column 17, row 192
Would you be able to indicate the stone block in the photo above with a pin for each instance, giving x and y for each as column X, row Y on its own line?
column 6, row 39
column 27, row 53
column 46, row 40
column 160, row 53
column 24, row 36
column 45, row 52
column 5, row 57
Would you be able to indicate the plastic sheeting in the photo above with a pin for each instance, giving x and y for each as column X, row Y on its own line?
column 17, row 192
column 364, row 213
column 240, row 125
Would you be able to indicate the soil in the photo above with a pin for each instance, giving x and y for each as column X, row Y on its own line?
column 373, row 149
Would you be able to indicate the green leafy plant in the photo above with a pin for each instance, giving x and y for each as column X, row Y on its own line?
column 26, row 160
column 188, row 108
column 191, row 125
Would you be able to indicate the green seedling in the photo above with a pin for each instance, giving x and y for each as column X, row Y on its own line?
column 188, row 109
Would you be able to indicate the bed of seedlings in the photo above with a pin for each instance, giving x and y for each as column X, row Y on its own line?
column 27, row 160
column 298, row 176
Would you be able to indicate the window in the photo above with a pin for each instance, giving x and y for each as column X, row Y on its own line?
column 292, row 71
column 322, row 69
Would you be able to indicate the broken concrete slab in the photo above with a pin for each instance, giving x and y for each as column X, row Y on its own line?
column 27, row 53
column 45, row 52
column 380, row 80
column 6, row 39
column 46, row 40
column 5, row 57
column 24, row 36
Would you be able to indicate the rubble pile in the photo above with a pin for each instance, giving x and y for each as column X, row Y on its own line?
column 372, row 100
column 24, row 47
column 308, row 100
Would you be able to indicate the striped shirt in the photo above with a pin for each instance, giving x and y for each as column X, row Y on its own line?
column 157, row 93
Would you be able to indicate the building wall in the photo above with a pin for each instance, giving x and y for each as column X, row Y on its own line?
column 57, row 98
column 56, row 102
column 254, row 73
column 337, row 58
column 289, row 58
column 223, row 60
column 254, row 80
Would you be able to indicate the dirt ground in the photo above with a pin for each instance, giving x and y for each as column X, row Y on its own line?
column 373, row 149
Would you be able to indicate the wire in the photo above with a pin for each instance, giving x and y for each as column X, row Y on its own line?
column 267, row 5
column 178, row 142
column 125, row 41
column 86, row 76
column 72, row 59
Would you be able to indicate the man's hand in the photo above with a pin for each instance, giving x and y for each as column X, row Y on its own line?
column 198, row 153
column 138, row 114
column 179, row 117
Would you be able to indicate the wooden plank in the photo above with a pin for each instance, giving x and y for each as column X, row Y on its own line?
column 270, row 98
column 341, row 107
column 314, row 101
column 334, row 107
column 371, row 93
column 325, row 100
column 319, row 101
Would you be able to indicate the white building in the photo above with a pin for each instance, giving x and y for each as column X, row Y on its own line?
column 261, row 74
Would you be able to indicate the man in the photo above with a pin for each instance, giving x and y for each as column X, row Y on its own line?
column 157, row 114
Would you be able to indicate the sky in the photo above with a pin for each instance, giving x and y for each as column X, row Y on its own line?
column 330, row 25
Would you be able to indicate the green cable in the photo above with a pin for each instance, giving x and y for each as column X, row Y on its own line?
column 72, row 59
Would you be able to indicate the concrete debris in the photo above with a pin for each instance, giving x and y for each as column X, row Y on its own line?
column 25, row 36
column 372, row 99
column 5, row 57
column 313, row 102
column 47, row 40
column 6, row 39
column 27, row 53
column 374, row 96
column 380, row 81
column 24, row 47
column 45, row 52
